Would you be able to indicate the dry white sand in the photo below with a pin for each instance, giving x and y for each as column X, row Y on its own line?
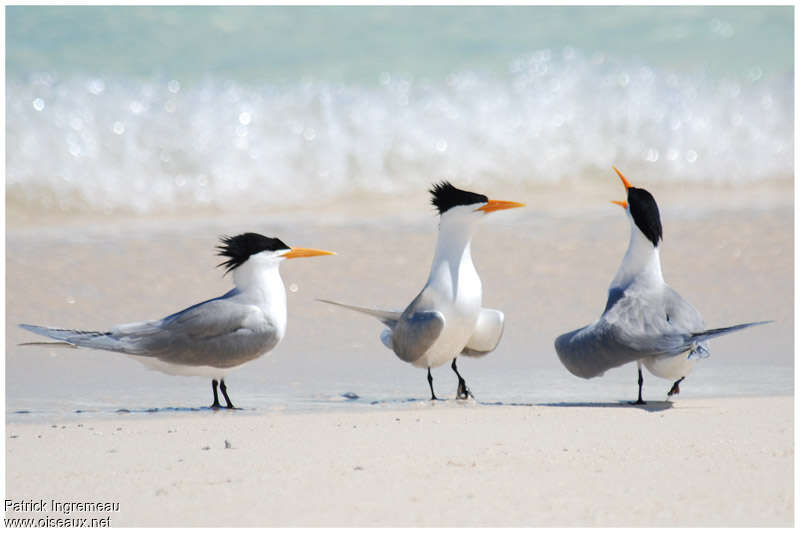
column 699, row 462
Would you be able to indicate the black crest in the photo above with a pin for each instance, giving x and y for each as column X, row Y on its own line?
column 644, row 211
column 445, row 196
column 239, row 248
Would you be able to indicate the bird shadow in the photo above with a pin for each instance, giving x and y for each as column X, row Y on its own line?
column 507, row 404
column 653, row 407
column 203, row 409
column 449, row 401
column 354, row 399
column 400, row 401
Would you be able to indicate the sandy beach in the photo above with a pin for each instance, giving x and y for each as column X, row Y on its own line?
column 699, row 462
column 543, row 448
column 139, row 136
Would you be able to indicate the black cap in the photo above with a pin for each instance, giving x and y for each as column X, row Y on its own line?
column 445, row 196
column 239, row 248
column 644, row 211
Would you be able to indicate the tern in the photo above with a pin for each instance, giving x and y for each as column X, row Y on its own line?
column 446, row 319
column 644, row 320
column 213, row 337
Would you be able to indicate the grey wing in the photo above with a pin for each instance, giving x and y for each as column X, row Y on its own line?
column 693, row 335
column 614, row 294
column 415, row 333
column 589, row 351
column 670, row 326
column 634, row 326
column 680, row 313
column 214, row 318
column 218, row 333
column 654, row 324
column 72, row 338
column 487, row 334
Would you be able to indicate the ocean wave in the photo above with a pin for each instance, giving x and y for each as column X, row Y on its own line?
column 96, row 144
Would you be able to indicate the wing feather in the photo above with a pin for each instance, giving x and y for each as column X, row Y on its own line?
column 415, row 333
column 219, row 332
column 635, row 326
column 487, row 334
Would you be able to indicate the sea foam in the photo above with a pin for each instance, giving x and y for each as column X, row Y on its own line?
column 92, row 144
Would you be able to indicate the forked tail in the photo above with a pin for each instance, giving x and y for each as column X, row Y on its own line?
column 73, row 338
column 711, row 333
column 389, row 318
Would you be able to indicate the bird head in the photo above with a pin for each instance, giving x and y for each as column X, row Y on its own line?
column 262, row 250
column 456, row 203
column 642, row 210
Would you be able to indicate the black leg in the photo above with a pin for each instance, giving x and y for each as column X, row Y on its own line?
column 463, row 392
column 224, row 390
column 430, row 383
column 676, row 387
column 641, row 382
column 214, row 384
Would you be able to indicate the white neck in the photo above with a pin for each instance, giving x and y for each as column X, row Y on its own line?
column 259, row 281
column 452, row 269
column 641, row 264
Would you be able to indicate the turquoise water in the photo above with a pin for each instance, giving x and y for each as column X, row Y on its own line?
column 154, row 109
column 345, row 44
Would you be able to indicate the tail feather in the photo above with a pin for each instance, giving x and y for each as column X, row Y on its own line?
column 389, row 318
column 72, row 338
column 63, row 344
column 711, row 333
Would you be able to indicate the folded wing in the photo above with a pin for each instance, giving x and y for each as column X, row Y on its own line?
column 216, row 333
column 487, row 334
column 415, row 333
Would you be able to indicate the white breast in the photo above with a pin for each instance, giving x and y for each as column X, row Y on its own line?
column 456, row 289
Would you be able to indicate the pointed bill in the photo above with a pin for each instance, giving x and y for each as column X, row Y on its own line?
column 624, row 181
column 497, row 205
column 305, row 252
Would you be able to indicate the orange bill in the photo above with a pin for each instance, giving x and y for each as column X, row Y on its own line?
column 624, row 181
column 497, row 205
column 623, row 205
column 305, row 252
